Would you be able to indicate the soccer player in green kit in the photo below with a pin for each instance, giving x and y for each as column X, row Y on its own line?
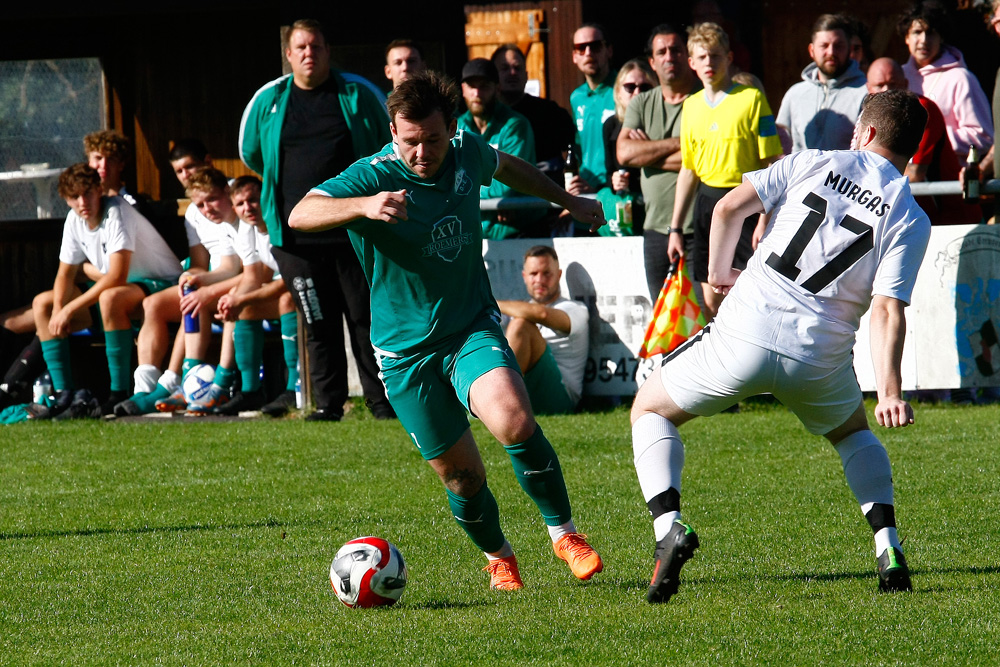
column 412, row 213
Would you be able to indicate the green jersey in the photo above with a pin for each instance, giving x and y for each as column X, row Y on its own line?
column 510, row 132
column 427, row 276
column 591, row 107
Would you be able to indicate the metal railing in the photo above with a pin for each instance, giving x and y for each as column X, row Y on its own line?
column 521, row 202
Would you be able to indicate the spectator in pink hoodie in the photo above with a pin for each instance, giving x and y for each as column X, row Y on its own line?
column 937, row 71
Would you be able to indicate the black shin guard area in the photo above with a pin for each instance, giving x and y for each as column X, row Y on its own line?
column 881, row 516
column 668, row 501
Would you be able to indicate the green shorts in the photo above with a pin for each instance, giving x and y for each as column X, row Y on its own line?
column 429, row 390
column 152, row 285
column 546, row 390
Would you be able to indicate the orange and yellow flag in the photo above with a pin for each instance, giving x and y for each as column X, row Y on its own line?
column 676, row 315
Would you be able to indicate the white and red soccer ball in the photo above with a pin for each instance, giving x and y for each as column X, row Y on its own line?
column 368, row 572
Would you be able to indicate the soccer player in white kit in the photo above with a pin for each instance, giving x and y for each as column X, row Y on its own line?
column 845, row 233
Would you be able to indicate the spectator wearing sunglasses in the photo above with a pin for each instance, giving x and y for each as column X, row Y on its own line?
column 592, row 104
column 633, row 78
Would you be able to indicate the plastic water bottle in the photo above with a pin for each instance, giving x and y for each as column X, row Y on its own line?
column 41, row 388
column 298, row 386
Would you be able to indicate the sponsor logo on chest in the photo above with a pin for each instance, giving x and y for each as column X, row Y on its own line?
column 447, row 239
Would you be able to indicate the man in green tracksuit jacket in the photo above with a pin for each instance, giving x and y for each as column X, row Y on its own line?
column 297, row 132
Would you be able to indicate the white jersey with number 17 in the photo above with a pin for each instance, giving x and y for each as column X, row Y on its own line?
column 844, row 227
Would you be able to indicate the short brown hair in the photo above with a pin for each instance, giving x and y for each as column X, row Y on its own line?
column 244, row 182
column 307, row 25
column 207, row 179
column 541, row 251
column 420, row 95
column 501, row 51
column 399, row 43
column 78, row 179
column 898, row 118
column 831, row 22
column 109, row 143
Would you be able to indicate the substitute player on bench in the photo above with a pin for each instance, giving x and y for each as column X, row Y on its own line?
column 412, row 213
column 845, row 233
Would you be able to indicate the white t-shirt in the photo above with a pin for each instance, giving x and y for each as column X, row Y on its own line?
column 253, row 246
column 219, row 238
column 122, row 228
column 845, row 227
column 570, row 350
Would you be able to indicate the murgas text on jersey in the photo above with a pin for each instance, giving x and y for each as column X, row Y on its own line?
column 853, row 191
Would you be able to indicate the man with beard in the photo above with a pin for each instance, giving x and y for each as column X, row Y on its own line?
column 592, row 104
column 552, row 125
column 650, row 138
column 549, row 335
column 820, row 111
column 505, row 130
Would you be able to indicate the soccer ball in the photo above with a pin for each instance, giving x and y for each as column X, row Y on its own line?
column 197, row 382
column 368, row 572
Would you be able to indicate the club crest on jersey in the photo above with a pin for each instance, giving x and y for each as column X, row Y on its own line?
column 463, row 184
column 447, row 239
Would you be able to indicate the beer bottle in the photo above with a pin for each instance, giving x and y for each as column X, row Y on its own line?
column 571, row 167
column 970, row 188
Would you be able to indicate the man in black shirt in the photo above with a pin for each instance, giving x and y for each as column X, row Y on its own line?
column 552, row 125
column 297, row 132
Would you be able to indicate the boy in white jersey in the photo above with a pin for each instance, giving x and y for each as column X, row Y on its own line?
column 412, row 214
column 213, row 270
column 126, row 260
column 845, row 233
column 261, row 294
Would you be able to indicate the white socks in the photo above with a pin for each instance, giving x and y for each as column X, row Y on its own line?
column 145, row 377
column 555, row 532
column 658, row 455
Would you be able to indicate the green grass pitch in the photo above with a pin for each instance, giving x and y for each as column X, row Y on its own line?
column 194, row 542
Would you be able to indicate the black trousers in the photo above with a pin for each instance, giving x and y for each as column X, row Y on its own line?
column 327, row 283
column 654, row 251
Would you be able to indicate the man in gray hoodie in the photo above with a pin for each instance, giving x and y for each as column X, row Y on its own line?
column 820, row 111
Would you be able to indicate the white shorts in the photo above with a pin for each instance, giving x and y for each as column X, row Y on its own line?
column 712, row 371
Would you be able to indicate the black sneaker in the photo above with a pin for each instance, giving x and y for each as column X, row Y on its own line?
column 284, row 402
column 128, row 408
column 60, row 403
column 324, row 415
column 380, row 409
column 84, row 406
column 242, row 401
column 671, row 553
column 893, row 574
column 114, row 398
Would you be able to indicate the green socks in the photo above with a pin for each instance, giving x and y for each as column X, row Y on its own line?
column 56, row 355
column 224, row 377
column 248, row 341
column 479, row 517
column 539, row 474
column 290, row 346
column 118, row 346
